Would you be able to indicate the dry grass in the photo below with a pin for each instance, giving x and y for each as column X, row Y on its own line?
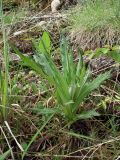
column 96, row 38
column 96, row 24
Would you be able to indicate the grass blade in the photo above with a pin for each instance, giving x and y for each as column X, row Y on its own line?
column 5, row 155
column 4, row 100
column 35, row 136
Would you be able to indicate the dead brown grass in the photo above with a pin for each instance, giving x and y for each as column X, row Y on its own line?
column 95, row 38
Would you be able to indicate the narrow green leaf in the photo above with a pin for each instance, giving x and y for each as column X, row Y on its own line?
column 35, row 136
column 89, row 87
column 70, row 133
column 87, row 114
column 5, row 155
column 27, row 61
column 46, row 111
column 97, row 81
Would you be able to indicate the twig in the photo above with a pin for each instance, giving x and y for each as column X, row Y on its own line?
column 8, row 143
column 7, row 125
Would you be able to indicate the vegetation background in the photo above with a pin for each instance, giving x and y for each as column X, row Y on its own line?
column 59, row 80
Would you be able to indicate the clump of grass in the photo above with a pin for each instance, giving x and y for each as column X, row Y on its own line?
column 94, row 20
column 97, row 14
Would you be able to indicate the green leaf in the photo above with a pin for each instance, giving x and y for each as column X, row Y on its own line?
column 87, row 114
column 87, row 88
column 46, row 111
column 29, row 62
column 97, row 81
column 115, row 55
column 70, row 133
column 80, row 63
column 45, row 43
column 5, row 155
column 101, row 51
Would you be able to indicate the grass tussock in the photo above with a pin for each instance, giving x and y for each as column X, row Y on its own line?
column 96, row 24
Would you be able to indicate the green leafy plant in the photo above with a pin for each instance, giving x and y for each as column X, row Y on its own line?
column 112, row 52
column 72, row 82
